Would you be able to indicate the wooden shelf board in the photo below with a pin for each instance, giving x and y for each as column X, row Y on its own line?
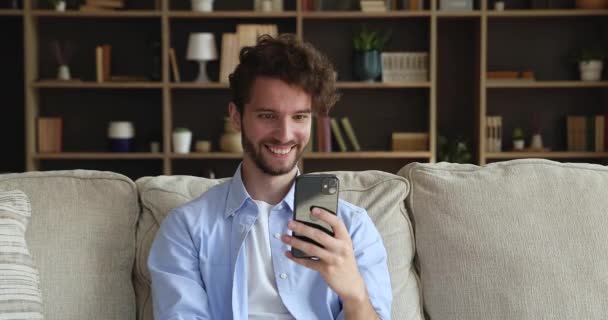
column 96, row 85
column 317, row 155
column 11, row 12
column 364, row 15
column 207, row 155
column 545, row 13
column 545, row 84
column 459, row 14
column 98, row 14
column 232, row 14
column 547, row 155
column 382, row 85
column 97, row 155
column 196, row 85
column 369, row 155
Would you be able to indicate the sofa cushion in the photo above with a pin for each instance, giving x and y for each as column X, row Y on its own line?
column 522, row 239
column 382, row 194
column 19, row 281
column 82, row 234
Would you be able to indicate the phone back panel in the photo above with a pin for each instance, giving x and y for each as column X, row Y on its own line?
column 315, row 191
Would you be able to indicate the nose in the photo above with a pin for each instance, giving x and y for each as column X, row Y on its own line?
column 283, row 130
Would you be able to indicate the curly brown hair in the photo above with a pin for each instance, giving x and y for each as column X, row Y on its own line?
column 293, row 61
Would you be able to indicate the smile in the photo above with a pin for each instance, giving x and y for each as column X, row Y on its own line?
column 280, row 151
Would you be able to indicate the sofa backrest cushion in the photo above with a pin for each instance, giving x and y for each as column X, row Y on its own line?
column 20, row 295
column 82, row 237
column 522, row 239
column 382, row 194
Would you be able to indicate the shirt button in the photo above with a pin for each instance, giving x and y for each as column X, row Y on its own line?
column 283, row 276
column 277, row 235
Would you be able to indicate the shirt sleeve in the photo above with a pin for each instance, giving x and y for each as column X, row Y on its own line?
column 372, row 261
column 178, row 291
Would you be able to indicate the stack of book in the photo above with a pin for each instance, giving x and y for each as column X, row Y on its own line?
column 97, row 5
column 493, row 133
column 587, row 133
column 373, row 6
column 232, row 43
column 331, row 136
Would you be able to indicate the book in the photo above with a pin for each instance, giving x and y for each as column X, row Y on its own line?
column 323, row 133
column 99, row 63
column 335, row 129
column 49, row 134
column 600, row 122
column 106, row 61
column 570, row 133
column 350, row 133
column 589, row 133
column 174, row 67
column 493, row 133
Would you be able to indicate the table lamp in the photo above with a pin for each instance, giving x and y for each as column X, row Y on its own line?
column 201, row 48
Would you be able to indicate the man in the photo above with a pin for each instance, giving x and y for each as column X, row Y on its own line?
column 226, row 254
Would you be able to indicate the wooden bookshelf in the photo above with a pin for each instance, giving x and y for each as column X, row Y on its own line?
column 173, row 98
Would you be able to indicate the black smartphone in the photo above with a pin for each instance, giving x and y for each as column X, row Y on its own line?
column 314, row 191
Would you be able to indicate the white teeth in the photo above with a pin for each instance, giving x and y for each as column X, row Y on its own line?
column 279, row 151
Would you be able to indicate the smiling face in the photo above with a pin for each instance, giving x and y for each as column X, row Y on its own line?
column 275, row 125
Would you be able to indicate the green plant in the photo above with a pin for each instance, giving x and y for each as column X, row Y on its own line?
column 367, row 40
column 456, row 150
column 181, row 129
column 591, row 53
column 54, row 3
column 518, row 134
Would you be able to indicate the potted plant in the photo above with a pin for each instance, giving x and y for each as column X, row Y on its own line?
column 455, row 150
column 58, row 5
column 518, row 139
column 368, row 45
column 182, row 138
column 590, row 63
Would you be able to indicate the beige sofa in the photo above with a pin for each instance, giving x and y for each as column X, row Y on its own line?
column 522, row 239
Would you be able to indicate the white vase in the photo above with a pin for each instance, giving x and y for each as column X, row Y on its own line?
column 63, row 72
column 202, row 5
column 182, row 141
column 60, row 6
column 518, row 144
column 537, row 141
column 591, row 70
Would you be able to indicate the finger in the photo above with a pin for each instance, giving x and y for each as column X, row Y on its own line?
column 309, row 248
column 334, row 221
column 317, row 235
column 308, row 263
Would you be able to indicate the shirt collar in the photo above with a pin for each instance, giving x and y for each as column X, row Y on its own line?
column 238, row 195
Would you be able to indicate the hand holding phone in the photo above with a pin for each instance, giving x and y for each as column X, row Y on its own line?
column 314, row 191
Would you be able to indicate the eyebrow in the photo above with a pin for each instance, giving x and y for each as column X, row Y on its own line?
column 262, row 109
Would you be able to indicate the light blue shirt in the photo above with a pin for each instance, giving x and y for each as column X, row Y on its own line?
column 198, row 264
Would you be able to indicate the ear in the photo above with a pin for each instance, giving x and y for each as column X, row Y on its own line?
column 235, row 116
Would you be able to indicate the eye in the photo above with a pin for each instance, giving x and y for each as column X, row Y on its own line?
column 300, row 117
column 266, row 116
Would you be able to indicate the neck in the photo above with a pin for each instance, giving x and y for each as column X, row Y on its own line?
column 265, row 187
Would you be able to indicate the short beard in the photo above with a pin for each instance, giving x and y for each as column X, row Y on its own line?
column 249, row 148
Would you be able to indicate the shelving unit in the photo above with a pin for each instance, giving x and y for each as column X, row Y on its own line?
column 555, row 94
column 161, row 105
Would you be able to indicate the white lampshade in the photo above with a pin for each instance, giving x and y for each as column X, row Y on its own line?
column 201, row 47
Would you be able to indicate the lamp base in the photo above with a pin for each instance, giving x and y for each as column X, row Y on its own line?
column 202, row 72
